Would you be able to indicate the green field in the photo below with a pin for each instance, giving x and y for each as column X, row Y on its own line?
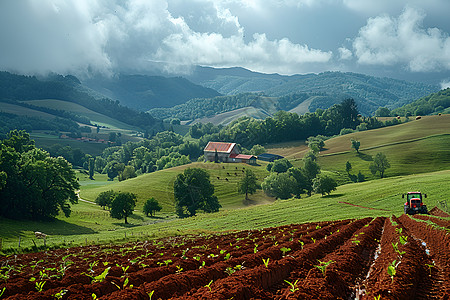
column 77, row 109
column 419, row 153
column 160, row 185
column 92, row 224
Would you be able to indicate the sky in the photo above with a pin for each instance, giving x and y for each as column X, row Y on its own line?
column 398, row 38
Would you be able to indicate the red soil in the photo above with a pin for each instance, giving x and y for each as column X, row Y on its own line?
column 327, row 260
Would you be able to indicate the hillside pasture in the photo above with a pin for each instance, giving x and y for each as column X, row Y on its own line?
column 91, row 224
column 159, row 185
column 77, row 109
column 24, row 111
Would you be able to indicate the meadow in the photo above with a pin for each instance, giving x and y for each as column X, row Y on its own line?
column 418, row 152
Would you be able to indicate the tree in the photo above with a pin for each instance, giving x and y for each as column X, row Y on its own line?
column 151, row 206
column 380, row 164
column 104, row 199
column 127, row 173
column 280, row 165
column 348, row 167
column 91, row 168
column 122, row 206
column 324, row 184
column 279, row 185
column 248, row 184
column 302, row 182
column 382, row 112
column 311, row 168
column 35, row 185
column 193, row 191
column 257, row 150
column 355, row 145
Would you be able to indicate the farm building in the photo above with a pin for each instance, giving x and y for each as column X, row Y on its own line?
column 269, row 157
column 226, row 152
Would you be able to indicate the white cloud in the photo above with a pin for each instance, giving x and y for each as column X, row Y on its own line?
column 86, row 36
column 445, row 84
column 390, row 41
column 344, row 53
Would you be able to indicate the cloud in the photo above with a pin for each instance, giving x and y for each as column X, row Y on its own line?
column 403, row 41
column 344, row 53
column 445, row 84
column 90, row 36
column 43, row 36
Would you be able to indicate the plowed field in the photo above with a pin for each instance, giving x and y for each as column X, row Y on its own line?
column 371, row 258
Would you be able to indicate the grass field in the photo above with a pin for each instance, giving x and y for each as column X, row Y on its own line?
column 160, row 185
column 419, row 153
column 95, row 117
column 92, row 224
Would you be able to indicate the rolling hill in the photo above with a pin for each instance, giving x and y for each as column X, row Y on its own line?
column 369, row 92
column 418, row 146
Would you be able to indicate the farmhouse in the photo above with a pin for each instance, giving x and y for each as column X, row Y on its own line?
column 226, row 152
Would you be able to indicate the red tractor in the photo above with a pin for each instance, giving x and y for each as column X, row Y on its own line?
column 414, row 204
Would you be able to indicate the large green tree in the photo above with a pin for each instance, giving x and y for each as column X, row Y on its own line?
column 151, row 206
column 380, row 164
column 324, row 184
column 248, row 184
column 105, row 198
column 122, row 206
column 35, row 185
column 193, row 191
column 279, row 185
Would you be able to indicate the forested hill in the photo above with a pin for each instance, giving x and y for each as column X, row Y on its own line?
column 369, row 92
column 144, row 92
column 432, row 104
column 15, row 88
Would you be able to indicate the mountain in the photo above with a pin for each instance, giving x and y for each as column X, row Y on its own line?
column 143, row 92
column 16, row 89
column 369, row 92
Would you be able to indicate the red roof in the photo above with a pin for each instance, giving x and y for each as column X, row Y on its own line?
column 220, row 147
column 242, row 156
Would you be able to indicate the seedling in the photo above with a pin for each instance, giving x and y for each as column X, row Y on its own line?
column 391, row 270
column 301, row 243
column 323, row 266
column 101, row 277
column 92, row 265
column 150, row 294
column 285, row 250
column 202, row 265
column 125, row 283
column 40, row 286
column 356, row 242
column 5, row 276
column 430, row 266
column 60, row 294
column 229, row 270
column 293, row 286
column 255, row 249
column 94, row 296
column 313, row 239
column 179, row 269
column 227, row 257
column 395, row 246
column 209, row 285
column 167, row 262
column 377, row 297
column 3, row 290
column 266, row 262
column 403, row 239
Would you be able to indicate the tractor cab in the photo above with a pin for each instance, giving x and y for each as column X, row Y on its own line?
column 414, row 204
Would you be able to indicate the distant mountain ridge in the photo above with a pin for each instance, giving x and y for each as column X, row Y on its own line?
column 143, row 92
column 368, row 91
